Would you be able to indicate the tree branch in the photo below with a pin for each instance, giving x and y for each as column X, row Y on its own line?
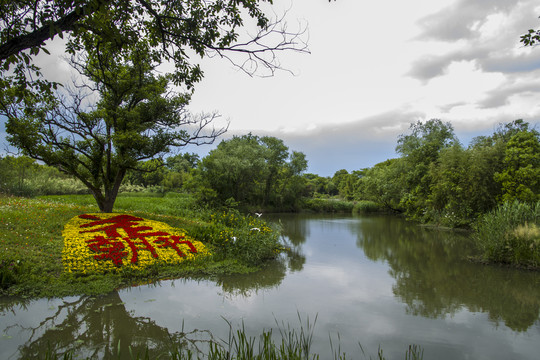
column 37, row 38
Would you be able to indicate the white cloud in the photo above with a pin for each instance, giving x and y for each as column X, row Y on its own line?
column 374, row 68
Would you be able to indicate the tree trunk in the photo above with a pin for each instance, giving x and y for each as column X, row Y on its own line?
column 100, row 199
column 105, row 202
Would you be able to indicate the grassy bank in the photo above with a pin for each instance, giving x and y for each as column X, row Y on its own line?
column 31, row 240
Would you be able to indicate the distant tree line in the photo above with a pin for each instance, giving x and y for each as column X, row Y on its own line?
column 438, row 180
column 246, row 171
column 435, row 180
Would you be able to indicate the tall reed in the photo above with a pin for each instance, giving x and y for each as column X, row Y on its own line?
column 287, row 343
column 510, row 234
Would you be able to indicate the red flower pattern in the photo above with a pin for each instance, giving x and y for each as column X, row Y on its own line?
column 111, row 247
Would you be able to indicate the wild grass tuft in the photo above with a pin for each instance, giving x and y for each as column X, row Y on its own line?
column 510, row 234
column 286, row 343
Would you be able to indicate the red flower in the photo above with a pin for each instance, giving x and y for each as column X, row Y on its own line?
column 112, row 246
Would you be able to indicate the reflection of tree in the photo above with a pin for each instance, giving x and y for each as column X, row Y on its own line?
column 268, row 277
column 434, row 279
column 296, row 258
column 294, row 231
column 100, row 327
column 273, row 273
column 293, row 227
column 8, row 304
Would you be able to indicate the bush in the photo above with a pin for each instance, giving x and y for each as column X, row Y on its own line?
column 245, row 238
column 510, row 234
column 128, row 187
column 45, row 185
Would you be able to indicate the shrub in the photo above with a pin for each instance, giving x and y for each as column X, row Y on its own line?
column 246, row 238
column 510, row 234
column 128, row 187
column 44, row 185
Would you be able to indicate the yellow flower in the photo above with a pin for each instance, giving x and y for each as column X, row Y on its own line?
column 110, row 242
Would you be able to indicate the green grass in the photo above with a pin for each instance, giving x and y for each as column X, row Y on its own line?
column 31, row 243
column 511, row 235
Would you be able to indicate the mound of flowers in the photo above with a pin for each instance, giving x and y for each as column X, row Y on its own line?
column 110, row 242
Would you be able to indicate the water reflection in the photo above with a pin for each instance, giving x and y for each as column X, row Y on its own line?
column 377, row 280
column 294, row 228
column 434, row 278
column 249, row 284
column 97, row 327
column 101, row 327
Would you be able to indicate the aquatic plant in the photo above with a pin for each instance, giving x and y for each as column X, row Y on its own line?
column 291, row 344
column 510, row 234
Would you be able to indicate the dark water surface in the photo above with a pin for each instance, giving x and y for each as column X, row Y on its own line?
column 377, row 281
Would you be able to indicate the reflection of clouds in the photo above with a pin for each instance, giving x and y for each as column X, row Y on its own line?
column 246, row 304
column 26, row 316
column 346, row 281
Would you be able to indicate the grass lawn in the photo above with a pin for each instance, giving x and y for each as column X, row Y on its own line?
column 31, row 243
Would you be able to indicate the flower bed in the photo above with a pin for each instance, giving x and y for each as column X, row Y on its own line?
column 110, row 242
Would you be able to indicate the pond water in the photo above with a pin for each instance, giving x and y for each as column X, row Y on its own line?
column 374, row 281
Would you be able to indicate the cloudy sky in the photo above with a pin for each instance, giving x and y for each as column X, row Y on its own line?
column 376, row 67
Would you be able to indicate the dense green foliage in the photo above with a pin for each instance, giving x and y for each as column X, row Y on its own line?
column 31, row 235
column 161, row 175
column 252, row 171
column 136, row 117
column 22, row 176
column 328, row 205
column 437, row 180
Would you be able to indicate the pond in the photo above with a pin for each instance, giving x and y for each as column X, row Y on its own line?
column 363, row 282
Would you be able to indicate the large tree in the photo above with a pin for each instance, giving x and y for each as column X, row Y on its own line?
column 419, row 149
column 254, row 170
column 135, row 118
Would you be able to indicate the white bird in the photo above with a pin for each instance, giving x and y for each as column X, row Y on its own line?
column 258, row 214
column 234, row 238
column 255, row 229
